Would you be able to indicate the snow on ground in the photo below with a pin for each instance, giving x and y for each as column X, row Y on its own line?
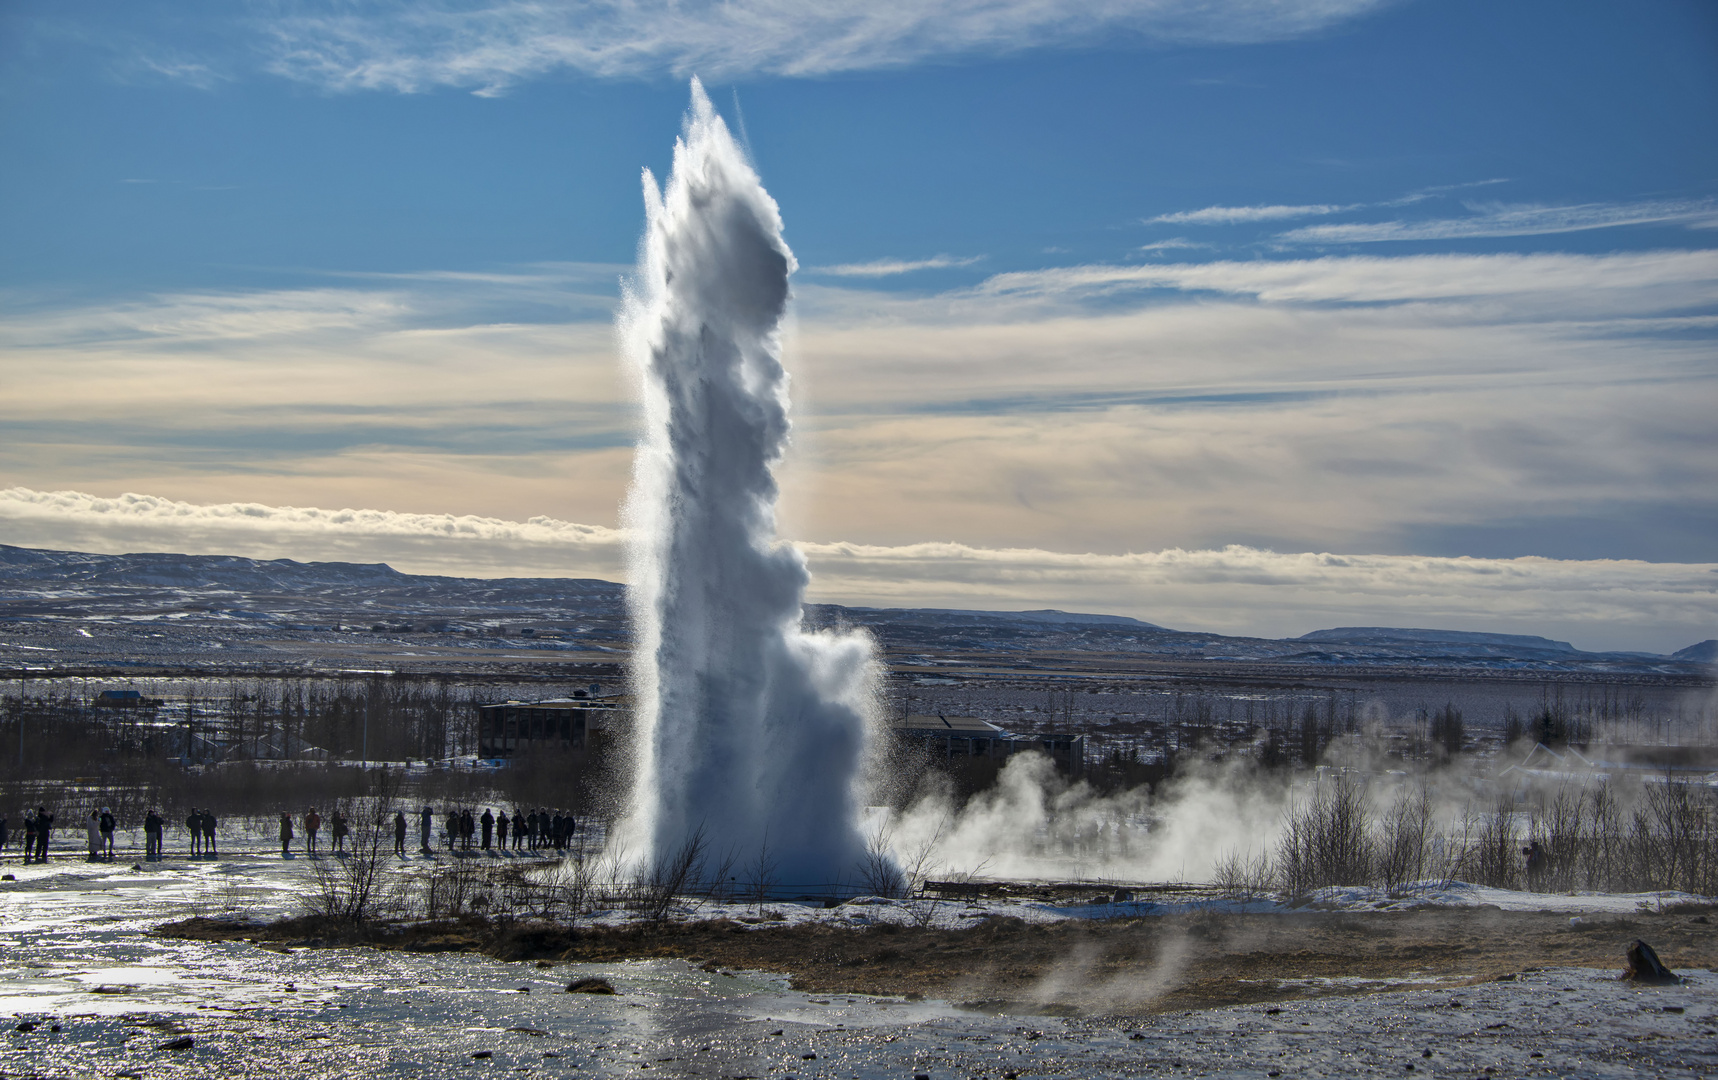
column 74, row 951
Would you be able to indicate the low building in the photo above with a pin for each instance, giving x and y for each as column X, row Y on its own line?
column 515, row 728
column 952, row 737
column 958, row 736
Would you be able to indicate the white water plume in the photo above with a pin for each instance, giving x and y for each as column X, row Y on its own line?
column 749, row 731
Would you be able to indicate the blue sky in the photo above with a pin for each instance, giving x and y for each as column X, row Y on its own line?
column 1394, row 279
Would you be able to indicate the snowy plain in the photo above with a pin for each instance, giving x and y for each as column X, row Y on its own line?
column 75, row 952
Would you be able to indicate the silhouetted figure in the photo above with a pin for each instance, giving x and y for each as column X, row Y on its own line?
column 285, row 835
column 208, row 823
column 400, row 833
column 453, row 830
column 44, row 828
column 1538, row 864
column 467, row 829
column 518, row 828
column 488, row 821
column 338, row 827
column 532, row 823
column 500, row 831
column 107, row 826
column 426, row 822
column 312, row 822
column 4, row 834
column 152, row 824
column 29, row 836
column 194, row 826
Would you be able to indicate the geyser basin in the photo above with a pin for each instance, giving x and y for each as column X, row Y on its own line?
column 750, row 732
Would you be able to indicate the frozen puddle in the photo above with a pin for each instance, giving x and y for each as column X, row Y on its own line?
column 74, row 951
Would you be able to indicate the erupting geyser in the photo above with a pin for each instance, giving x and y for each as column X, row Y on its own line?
column 747, row 727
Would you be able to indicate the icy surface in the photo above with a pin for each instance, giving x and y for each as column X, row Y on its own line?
column 76, row 954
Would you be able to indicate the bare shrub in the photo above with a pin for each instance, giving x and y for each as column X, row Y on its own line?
column 1327, row 840
column 1239, row 876
column 1404, row 847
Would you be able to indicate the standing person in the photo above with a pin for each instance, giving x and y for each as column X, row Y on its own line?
column 531, row 825
column 340, row 829
column 500, row 831
column 3, row 834
column 312, row 822
column 194, row 825
column 400, row 833
column 107, row 826
column 285, row 835
column 152, row 835
column 29, row 836
column 207, row 820
column 44, row 827
column 518, row 828
column 467, row 827
column 92, row 826
column 488, row 821
column 426, row 822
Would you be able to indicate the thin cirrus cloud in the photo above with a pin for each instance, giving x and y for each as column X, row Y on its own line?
column 1240, row 215
column 1237, row 588
column 488, row 46
column 1491, row 220
column 879, row 268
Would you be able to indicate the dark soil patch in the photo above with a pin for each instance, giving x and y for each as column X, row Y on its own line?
column 1123, row 965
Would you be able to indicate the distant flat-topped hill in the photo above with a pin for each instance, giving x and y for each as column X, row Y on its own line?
column 309, row 597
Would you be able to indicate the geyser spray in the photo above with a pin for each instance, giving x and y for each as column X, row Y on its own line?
column 747, row 727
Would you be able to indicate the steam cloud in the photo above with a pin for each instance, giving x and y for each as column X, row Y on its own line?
column 748, row 730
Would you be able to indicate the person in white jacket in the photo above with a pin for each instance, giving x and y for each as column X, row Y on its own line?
column 94, row 826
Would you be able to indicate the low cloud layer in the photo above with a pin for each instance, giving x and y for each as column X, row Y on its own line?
column 1242, row 590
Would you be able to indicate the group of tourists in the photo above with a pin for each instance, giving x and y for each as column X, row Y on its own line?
column 99, row 825
column 536, row 830
column 38, row 825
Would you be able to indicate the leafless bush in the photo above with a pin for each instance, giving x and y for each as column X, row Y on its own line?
column 1403, row 848
column 1327, row 840
column 1239, row 876
column 670, row 877
column 1494, row 858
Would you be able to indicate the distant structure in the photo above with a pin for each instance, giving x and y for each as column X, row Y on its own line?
column 509, row 729
column 124, row 699
column 952, row 737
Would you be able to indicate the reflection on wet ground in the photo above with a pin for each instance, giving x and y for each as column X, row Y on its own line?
column 93, row 993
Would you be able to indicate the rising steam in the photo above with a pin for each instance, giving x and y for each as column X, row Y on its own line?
column 749, row 731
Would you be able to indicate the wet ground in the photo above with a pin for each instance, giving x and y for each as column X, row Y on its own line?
column 75, row 952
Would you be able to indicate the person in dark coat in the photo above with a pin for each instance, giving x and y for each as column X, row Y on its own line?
column 453, row 830
column 312, row 822
column 1538, row 863
column 467, row 828
column 194, row 826
column 426, row 823
column 107, row 826
column 29, row 836
column 285, row 835
column 337, row 825
column 532, row 825
column 152, row 824
column 44, row 828
column 500, row 831
column 400, row 833
column 518, row 828
column 488, row 821
column 209, row 833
